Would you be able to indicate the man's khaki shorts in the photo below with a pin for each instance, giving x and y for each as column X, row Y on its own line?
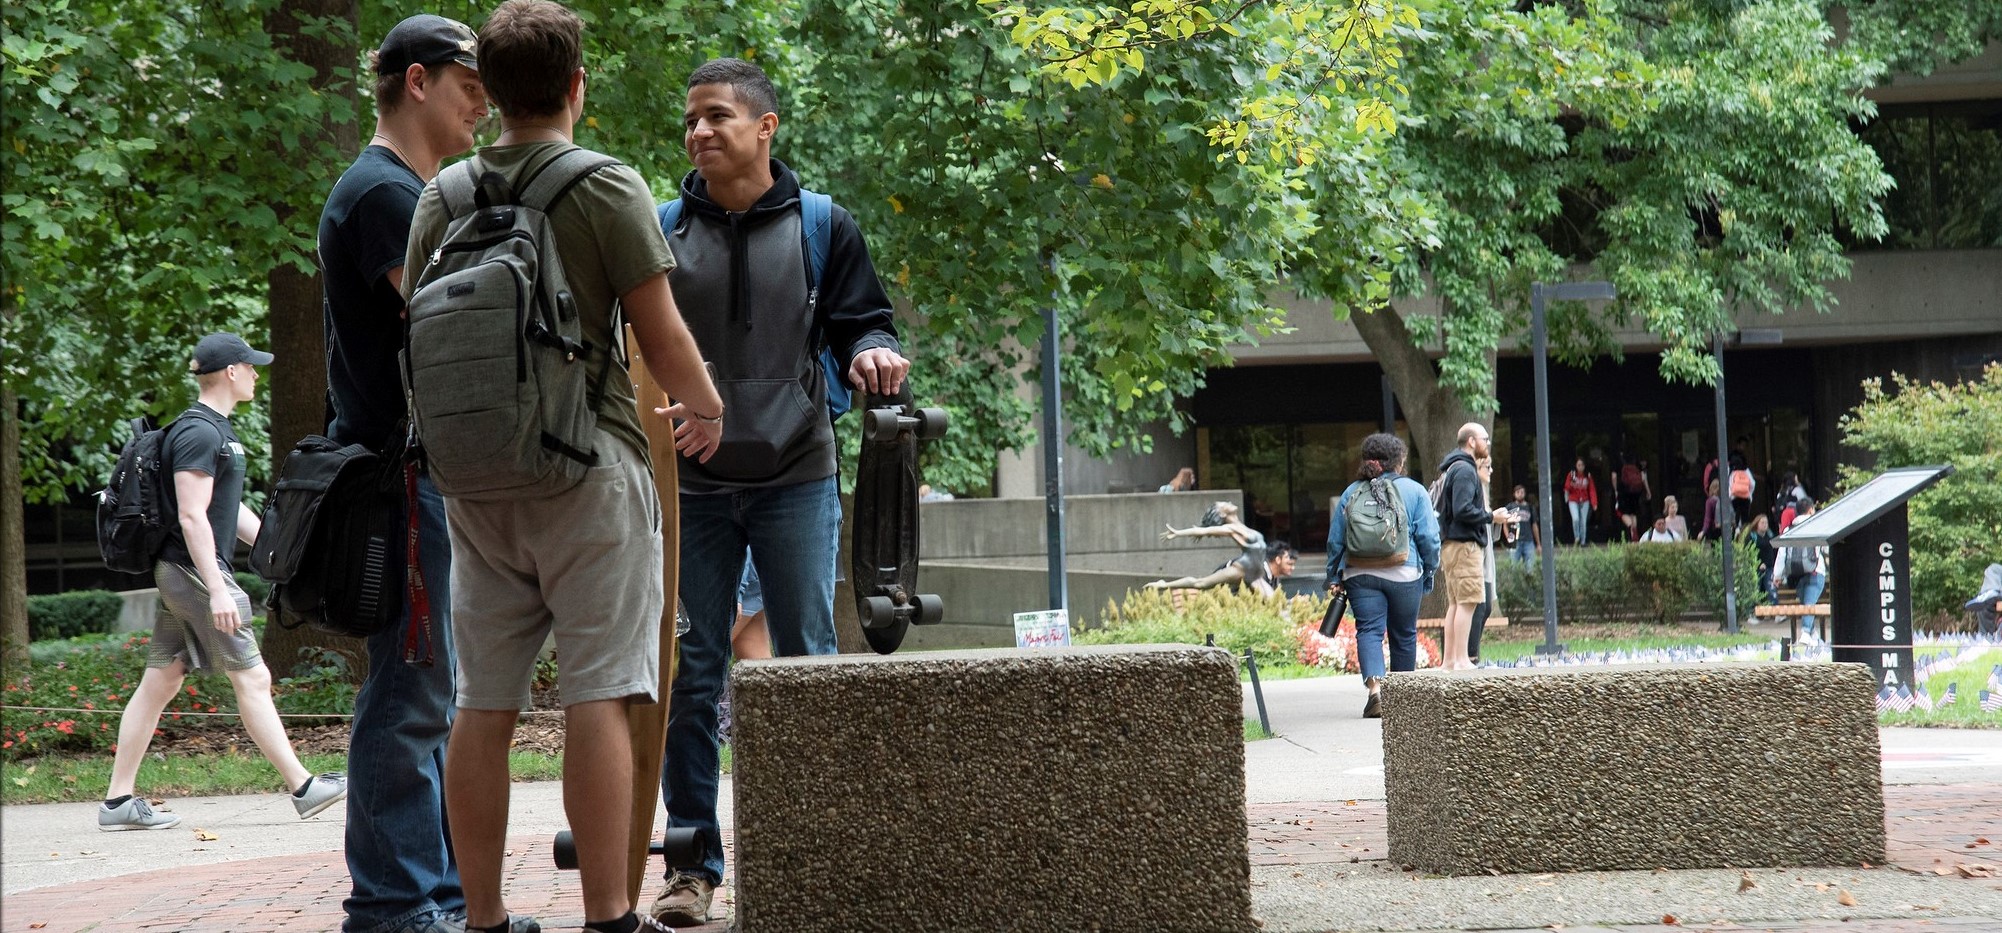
column 585, row 565
column 1464, row 571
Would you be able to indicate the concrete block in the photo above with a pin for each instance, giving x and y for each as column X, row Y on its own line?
column 1097, row 788
column 1640, row 767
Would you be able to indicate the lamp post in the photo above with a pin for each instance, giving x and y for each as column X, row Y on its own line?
column 1540, row 295
column 1053, row 460
column 1725, row 514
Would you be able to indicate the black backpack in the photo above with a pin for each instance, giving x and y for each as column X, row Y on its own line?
column 135, row 512
column 334, row 542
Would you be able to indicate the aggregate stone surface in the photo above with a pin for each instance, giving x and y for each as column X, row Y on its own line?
column 1096, row 788
column 1641, row 767
column 1379, row 897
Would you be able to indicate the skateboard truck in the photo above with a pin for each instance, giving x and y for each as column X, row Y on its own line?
column 681, row 847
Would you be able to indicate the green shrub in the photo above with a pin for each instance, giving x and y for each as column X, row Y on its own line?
column 254, row 587
column 322, row 683
column 1652, row 583
column 1955, row 524
column 1237, row 620
column 67, row 615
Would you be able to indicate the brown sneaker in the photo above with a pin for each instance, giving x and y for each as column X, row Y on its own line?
column 685, row 903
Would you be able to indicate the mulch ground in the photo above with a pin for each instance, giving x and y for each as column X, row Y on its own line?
column 540, row 732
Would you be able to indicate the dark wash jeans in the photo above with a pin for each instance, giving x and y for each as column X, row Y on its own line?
column 792, row 532
column 1385, row 607
column 398, row 848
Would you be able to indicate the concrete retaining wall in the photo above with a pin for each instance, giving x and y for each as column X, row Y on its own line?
column 1058, row 790
column 1567, row 769
column 987, row 558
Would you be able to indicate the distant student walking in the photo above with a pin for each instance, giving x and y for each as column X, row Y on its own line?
column 1581, row 497
column 207, row 623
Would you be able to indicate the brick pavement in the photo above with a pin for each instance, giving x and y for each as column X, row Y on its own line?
column 1950, row 830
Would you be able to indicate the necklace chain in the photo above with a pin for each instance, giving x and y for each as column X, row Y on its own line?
column 391, row 145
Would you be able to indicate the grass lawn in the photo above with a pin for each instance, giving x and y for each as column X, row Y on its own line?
column 1972, row 678
column 1589, row 642
column 58, row 779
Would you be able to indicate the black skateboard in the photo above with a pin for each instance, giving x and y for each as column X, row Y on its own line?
column 883, row 559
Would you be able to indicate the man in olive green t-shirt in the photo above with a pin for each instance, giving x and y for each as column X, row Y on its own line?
column 584, row 564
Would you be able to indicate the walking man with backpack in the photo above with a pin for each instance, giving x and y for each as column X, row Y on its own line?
column 207, row 622
column 520, row 262
column 428, row 98
column 1464, row 525
column 1383, row 549
column 769, row 275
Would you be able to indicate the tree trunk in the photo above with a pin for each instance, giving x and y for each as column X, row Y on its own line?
column 13, row 541
column 1433, row 412
column 298, row 377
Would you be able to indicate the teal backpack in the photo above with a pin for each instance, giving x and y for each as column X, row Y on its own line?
column 816, row 212
column 1376, row 531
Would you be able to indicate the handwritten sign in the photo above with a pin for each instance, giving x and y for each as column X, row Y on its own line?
column 1047, row 629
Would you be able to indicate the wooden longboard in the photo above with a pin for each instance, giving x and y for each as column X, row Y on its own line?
column 648, row 723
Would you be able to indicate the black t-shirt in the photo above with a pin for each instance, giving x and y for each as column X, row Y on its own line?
column 364, row 231
column 202, row 441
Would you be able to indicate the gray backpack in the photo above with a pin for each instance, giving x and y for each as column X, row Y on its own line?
column 1375, row 530
column 495, row 366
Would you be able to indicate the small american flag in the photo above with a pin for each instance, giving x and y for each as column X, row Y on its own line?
column 1950, row 697
column 1921, row 699
column 1990, row 701
column 1884, row 699
column 1902, row 701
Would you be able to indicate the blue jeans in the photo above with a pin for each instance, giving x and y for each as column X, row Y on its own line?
column 1525, row 549
column 1385, row 607
column 399, row 851
column 792, row 532
column 1809, row 588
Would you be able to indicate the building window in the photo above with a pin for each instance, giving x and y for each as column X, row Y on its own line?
column 1946, row 159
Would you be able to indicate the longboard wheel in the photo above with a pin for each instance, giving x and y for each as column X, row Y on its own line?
column 565, row 851
column 681, row 845
column 881, row 612
column 931, row 423
column 880, row 424
column 931, row 609
column 885, row 640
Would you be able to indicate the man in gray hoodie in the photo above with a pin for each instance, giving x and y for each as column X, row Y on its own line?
column 762, row 313
column 1464, row 520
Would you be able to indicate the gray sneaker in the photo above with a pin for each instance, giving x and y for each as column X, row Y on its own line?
column 686, row 901
column 134, row 813
column 321, row 791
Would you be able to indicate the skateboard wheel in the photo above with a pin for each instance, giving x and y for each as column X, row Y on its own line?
column 565, row 851
column 931, row 423
column 882, row 611
column 931, row 609
column 879, row 424
column 681, row 846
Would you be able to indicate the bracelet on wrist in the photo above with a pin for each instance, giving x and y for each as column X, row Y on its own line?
column 706, row 419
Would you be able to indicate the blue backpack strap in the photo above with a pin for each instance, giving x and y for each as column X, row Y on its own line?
column 670, row 216
column 816, row 212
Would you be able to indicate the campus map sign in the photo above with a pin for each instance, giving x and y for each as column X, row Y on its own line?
column 1870, row 570
column 1873, row 609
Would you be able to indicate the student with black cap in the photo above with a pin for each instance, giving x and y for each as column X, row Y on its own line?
column 429, row 101
column 207, row 622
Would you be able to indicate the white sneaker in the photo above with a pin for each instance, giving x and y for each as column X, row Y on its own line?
column 320, row 792
column 134, row 813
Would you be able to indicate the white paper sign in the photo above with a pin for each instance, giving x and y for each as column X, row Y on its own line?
column 1047, row 629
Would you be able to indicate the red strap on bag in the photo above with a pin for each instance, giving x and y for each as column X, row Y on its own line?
column 417, row 642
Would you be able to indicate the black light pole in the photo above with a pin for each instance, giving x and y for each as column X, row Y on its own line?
column 1540, row 295
column 1053, row 460
column 1389, row 406
column 1725, row 515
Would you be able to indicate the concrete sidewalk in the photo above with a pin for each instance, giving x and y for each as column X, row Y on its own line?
column 1317, row 843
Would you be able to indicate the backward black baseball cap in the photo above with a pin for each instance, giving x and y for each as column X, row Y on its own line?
column 426, row 39
column 218, row 351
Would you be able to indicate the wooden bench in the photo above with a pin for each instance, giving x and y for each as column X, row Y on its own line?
column 1493, row 622
column 1793, row 611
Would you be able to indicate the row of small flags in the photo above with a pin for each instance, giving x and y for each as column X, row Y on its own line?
column 1905, row 699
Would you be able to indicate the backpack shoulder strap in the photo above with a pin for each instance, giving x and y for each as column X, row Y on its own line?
column 670, row 217
column 456, row 185
column 816, row 212
column 556, row 178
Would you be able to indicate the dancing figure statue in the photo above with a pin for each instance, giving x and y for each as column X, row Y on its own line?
column 1222, row 519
